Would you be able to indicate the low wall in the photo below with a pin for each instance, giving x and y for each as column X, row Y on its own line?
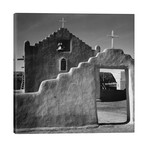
column 70, row 99
column 66, row 101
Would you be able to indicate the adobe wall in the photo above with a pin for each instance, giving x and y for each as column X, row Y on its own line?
column 70, row 99
column 42, row 59
column 66, row 101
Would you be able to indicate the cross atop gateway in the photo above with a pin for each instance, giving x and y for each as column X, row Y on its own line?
column 112, row 36
column 62, row 21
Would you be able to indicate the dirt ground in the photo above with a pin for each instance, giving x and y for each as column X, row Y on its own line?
column 112, row 112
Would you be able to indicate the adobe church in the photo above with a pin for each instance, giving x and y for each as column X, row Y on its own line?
column 56, row 54
column 69, row 100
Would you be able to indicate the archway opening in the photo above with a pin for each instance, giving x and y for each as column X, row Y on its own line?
column 63, row 45
column 112, row 95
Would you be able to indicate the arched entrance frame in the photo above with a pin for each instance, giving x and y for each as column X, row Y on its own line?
column 129, row 88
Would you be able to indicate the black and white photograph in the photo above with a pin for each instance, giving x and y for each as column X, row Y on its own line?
column 73, row 73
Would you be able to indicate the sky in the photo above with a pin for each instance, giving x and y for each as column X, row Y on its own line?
column 91, row 28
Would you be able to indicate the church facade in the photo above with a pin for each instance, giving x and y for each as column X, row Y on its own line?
column 56, row 54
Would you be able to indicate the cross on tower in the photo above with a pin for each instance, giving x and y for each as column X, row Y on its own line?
column 112, row 36
column 63, row 21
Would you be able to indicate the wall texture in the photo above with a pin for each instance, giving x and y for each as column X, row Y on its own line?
column 66, row 101
column 42, row 59
column 70, row 99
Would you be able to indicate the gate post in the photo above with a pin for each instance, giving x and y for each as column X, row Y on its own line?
column 127, row 94
column 97, row 82
column 131, row 93
column 129, row 73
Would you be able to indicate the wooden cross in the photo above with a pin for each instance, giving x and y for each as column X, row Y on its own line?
column 63, row 21
column 112, row 36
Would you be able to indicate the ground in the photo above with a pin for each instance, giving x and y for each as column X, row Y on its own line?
column 108, row 113
column 112, row 112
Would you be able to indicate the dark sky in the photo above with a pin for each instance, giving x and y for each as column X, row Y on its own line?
column 91, row 28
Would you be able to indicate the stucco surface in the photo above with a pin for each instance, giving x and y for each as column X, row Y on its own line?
column 70, row 99
column 66, row 101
